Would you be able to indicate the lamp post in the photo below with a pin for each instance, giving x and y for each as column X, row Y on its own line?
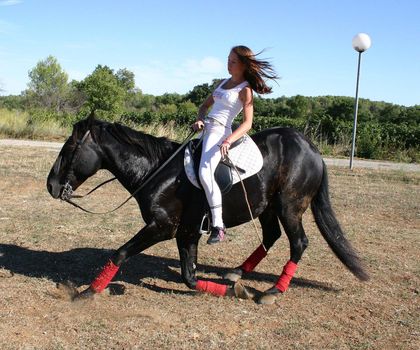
column 361, row 42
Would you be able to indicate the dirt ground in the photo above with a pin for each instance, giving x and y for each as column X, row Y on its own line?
column 45, row 241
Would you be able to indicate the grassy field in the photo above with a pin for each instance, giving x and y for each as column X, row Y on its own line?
column 16, row 124
column 44, row 241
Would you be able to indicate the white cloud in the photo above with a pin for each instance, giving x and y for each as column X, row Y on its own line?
column 158, row 77
column 10, row 2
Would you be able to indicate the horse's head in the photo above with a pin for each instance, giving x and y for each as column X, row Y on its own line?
column 79, row 159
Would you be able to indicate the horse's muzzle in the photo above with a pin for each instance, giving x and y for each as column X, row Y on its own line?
column 54, row 189
column 66, row 192
column 58, row 190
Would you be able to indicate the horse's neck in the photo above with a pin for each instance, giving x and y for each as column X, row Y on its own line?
column 131, row 166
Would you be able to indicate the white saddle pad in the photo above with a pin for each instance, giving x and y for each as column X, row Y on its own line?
column 245, row 156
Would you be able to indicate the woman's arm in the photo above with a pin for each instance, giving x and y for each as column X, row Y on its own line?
column 202, row 111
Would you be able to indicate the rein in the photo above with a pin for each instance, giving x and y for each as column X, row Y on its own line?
column 247, row 201
column 67, row 193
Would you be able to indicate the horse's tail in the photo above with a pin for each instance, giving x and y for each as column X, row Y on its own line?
column 332, row 232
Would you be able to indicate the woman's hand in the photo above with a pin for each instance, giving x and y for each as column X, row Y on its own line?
column 224, row 148
column 198, row 125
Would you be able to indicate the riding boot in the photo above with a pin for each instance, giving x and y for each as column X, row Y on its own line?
column 217, row 235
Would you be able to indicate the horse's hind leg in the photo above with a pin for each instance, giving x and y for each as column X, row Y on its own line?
column 290, row 214
column 271, row 232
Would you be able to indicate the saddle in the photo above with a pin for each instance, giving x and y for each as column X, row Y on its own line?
column 244, row 160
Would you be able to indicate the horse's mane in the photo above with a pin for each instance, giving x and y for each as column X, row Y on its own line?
column 151, row 146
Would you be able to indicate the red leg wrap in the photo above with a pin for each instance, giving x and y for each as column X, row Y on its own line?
column 211, row 288
column 106, row 275
column 254, row 259
column 286, row 276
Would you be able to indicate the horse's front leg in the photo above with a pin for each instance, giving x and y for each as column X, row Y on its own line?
column 145, row 238
column 187, row 247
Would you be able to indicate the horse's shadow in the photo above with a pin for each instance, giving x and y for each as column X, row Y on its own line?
column 81, row 265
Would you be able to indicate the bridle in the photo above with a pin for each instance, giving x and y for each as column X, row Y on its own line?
column 67, row 192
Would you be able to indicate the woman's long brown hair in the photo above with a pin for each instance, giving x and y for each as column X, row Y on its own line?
column 257, row 71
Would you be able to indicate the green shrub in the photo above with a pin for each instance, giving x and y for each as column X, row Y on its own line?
column 368, row 141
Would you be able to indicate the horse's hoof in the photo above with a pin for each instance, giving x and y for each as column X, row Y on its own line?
column 87, row 294
column 116, row 289
column 269, row 297
column 234, row 275
column 242, row 292
column 68, row 289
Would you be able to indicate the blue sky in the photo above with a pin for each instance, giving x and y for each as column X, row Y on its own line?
column 171, row 46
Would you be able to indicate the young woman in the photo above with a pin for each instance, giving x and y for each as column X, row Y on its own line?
column 227, row 101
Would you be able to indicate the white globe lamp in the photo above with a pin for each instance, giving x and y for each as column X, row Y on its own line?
column 361, row 42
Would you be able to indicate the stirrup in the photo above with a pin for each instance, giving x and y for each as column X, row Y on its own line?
column 205, row 225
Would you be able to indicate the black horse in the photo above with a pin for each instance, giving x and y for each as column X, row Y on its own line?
column 293, row 177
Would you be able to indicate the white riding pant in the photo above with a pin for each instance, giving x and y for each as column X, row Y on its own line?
column 214, row 134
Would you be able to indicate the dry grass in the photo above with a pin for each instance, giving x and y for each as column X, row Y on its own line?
column 18, row 124
column 44, row 241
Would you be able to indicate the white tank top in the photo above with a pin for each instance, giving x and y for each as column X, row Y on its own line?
column 227, row 104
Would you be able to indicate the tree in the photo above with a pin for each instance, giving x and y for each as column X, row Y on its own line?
column 299, row 106
column 104, row 93
column 47, row 87
column 341, row 108
column 169, row 98
column 126, row 79
column 390, row 113
column 75, row 98
column 200, row 92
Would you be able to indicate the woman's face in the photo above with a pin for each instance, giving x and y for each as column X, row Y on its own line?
column 235, row 66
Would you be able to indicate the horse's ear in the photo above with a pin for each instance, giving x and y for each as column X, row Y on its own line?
column 91, row 118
